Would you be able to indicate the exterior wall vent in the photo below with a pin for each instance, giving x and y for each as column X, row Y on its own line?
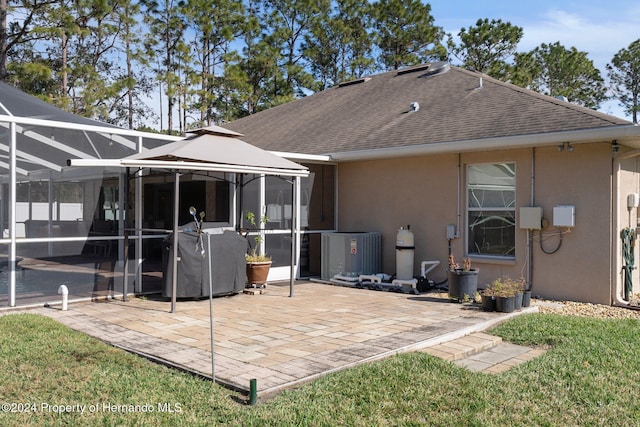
column 354, row 82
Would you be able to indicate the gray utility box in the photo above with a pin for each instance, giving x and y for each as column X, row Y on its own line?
column 351, row 254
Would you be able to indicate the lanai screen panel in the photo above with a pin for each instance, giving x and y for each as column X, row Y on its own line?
column 68, row 219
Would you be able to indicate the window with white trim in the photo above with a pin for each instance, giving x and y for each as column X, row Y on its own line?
column 491, row 209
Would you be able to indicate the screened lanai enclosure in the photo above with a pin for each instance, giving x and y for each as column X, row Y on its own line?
column 66, row 224
column 61, row 225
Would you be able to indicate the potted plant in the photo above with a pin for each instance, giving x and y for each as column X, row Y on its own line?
column 504, row 291
column 519, row 287
column 526, row 296
column 488, row 299
column 258, row 264
column 462, row 280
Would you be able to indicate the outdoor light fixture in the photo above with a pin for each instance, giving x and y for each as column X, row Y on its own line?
column 566, row 145
column 614, row 146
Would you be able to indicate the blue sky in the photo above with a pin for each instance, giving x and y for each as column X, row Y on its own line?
column 600, row 28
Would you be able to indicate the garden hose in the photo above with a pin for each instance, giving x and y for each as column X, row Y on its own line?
column 628, row 237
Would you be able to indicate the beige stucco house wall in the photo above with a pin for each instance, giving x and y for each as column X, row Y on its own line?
column 423, row 192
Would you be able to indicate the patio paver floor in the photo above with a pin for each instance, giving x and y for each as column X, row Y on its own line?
column 278, row 340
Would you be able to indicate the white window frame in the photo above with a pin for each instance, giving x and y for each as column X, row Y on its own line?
column 469, row 209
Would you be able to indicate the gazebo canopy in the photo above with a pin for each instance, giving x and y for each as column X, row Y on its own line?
column 215, row 148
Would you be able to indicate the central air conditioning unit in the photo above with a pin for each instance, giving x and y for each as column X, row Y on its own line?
column 351, row 254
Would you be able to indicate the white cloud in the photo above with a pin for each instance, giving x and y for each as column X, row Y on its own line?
column 601, row 36
column 599, row 28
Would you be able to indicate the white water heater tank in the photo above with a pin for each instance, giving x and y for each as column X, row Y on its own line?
column 404, row 254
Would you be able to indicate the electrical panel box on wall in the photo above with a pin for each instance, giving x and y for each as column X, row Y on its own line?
column 564, row 216
column 531, row 217
column 451, row 232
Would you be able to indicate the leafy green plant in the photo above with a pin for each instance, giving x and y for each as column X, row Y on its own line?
column 254, row 255
column 505, row 287
column 488, row 290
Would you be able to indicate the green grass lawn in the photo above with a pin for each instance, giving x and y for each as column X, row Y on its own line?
column 590, row 376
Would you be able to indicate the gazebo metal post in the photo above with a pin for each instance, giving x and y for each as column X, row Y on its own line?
column 50, row 213
column 125, row 232
column 125, row 266
column 121, row 218
column 138, row 221
column 233, row 204
column 294, row 226
column 174, row 283
column 213, row 366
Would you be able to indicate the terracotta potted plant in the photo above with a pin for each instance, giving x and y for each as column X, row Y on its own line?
column 258, row 264
column 462, row 280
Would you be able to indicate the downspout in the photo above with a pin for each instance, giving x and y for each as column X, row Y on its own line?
column 532, row 203
column 616, row 297
column 458, row 212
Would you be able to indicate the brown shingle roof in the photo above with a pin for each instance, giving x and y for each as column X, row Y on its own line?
column 374, row 114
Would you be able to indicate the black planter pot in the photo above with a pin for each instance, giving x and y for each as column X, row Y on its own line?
column 462, row 283
column 526, row 299
column 488, row 303
column 505, row 304
column 519, row 298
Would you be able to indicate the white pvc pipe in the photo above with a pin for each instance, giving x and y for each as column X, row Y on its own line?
column 423, row 267
column 370, row 278
column 64, row 291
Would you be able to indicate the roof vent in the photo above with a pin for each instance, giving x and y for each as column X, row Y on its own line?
column 354, row 82
column 430, row 68
column 408, row 70
column 413, row 107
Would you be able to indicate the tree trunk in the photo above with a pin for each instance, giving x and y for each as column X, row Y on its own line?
column 129, row 88
column 64, row 83
column 3, row 40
